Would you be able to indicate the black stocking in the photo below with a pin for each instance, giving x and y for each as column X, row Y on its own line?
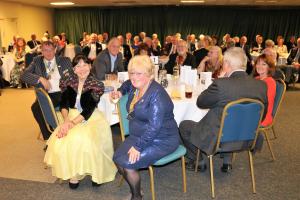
column 133, row 179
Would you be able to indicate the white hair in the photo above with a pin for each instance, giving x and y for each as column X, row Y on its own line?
column 236, row 58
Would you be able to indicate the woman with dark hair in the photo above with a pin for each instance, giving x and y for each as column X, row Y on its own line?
column 264, row 68
column 82, row 144
column 143, row 49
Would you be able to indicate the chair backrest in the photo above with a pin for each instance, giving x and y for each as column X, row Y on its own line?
column 122, row 112
column 240, row 121
column 47, row 108
column 280, row 91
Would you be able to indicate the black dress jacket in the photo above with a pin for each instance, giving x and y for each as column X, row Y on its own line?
column 189, row 61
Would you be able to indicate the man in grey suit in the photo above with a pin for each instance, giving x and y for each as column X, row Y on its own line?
column 46, row 71
column 235, row 85
column 109, row 60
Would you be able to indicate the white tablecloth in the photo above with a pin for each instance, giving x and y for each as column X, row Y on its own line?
column 8, row 65
column 107, row 108
column 184, row 109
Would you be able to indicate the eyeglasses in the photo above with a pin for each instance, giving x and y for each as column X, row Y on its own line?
column 138, row 74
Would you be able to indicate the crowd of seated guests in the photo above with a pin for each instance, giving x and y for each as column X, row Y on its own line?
column 195, row 51
column 79, row 90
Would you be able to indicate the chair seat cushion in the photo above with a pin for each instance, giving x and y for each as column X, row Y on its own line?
column 180, row 151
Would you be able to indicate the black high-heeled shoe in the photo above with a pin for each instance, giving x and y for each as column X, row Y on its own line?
column 94, row 184
column 73, row 186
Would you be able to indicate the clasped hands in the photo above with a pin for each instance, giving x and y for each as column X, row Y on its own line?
column 64, row 128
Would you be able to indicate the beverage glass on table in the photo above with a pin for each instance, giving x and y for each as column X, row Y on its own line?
column 115, row 96
column 188, row 91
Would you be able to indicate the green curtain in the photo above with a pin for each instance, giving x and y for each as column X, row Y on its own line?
column 165, row 20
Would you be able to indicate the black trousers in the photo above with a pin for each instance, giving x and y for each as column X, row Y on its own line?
column 38, row 115
column 185, row 128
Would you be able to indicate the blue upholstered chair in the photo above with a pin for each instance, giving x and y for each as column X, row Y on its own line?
column 47, row 108
column 280, row 91
column 238, row 132
column 179, row 153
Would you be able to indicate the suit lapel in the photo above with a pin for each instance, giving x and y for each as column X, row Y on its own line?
column 109, row 62
column 43, row 67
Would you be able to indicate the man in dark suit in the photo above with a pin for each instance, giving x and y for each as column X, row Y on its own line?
column 125, row 51
column 291, row 43
column 46, row 71
column 93, row 48
column 181, row 57
column 33, row 42
column 246, row 48
column 294, row 61
column 235, row 85
column 109, row 60
column 201, row 52
column 258, row 45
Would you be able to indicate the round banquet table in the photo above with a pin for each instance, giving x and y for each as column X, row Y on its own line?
column 8, row 65
column 184, row 109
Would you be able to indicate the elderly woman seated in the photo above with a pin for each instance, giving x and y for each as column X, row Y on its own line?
column 212, row 62
column 180, row 58
column 152, row 127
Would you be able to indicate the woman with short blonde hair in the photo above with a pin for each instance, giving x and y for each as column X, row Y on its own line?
column 153, row 131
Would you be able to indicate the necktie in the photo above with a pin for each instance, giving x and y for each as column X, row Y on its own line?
column 48, row 71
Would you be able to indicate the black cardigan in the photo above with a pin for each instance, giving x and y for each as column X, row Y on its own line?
column 88, row 103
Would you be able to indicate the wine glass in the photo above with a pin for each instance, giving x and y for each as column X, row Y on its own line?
column 115, row 98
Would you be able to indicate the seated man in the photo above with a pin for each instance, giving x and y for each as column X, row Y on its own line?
column 46, row 71
column 93, row 48
column 33, row 43
column 294, row 59
column 109, row 60
column 235, row 85
column 181, row 57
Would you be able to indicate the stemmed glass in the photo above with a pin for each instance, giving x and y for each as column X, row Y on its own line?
column 115, row 96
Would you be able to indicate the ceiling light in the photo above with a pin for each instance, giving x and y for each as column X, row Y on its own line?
column 62, row 3
column 192, row 1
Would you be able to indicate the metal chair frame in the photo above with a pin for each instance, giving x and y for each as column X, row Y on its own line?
column 150, row 168
column 51, row 107
column 218, row 149
column 270, row 127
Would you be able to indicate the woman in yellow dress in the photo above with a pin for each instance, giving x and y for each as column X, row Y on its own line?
column 82, row 144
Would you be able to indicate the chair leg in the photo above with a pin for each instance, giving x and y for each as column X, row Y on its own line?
column 275, row 136
column 197, row 160
column 269, row 144
column 39, row 136
column 121, row 181
column 252, row 172
column 152, row 182
column 183, row 174
column 233, row 157
column 212, row 182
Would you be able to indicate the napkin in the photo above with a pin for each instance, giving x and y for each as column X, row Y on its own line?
column 123, row 76
column 205, row 79
column 154, row 59
column 188, row 75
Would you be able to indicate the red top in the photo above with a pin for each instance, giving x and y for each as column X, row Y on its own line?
column 271, row 92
